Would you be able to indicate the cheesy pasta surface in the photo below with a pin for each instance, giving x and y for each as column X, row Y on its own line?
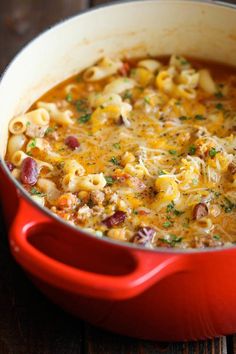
column 140, row 151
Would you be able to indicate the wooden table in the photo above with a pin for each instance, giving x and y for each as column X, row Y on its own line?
column 29, row 323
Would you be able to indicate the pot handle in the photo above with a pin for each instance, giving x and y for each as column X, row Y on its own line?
column 147, row 269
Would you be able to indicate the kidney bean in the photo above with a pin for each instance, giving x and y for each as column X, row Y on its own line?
column 10, row 166
column 199, row 211
column 232, row 168
column 117, row 218
column 72, row 142
column 29, row 171
column 144, row 235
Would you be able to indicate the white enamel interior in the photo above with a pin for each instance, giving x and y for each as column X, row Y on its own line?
column 135, row 28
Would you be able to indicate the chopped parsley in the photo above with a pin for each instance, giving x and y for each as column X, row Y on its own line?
column 167, row 224
column 172, row 152
column 229, row 206
column 28, row 124
column 85, row 118
column 171, row 209
column 178, row 212
column 219, row 94
column 116, row 146
column 33, row 143
column 178, row 103
column 199, row 117
column 184, row 118
column 161, row 172
column 110, row 180
column 147, row 100
column 133, row 72
column 217, row 194
column 212, row 152
column 172, row 240
column 216, row 237
column 49, row 130
column 192, row 149
column 114, row 160
column 81, row 105
column 35, row 191
column 127, row 95
column 69, row 97
column 219, row 106
column 184, row 62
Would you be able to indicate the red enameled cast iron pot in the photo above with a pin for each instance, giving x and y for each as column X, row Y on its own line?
column 158, row 294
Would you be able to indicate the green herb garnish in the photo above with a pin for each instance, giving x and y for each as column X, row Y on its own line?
column 216, row 237
column 147, row 100
column 85, row 118
column 172, row 152
column 219, row 94
column 192, row 149
column 69, row 97
column 184, row 118
column 33, row 143
column 172, row 240
column 114, row 160
column 49, row 130
column 229, row 206
column 35, row 191
column 171, row 209
column 116, row 146
column 81, row 105
column 183, row 62
column 212, row 152
column 199, row 117
column 167, row 224
column 110, row 180
column 127, row 95
column 219, row 106
column 217, row 194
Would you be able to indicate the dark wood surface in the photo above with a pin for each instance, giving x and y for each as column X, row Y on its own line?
column 29, row 323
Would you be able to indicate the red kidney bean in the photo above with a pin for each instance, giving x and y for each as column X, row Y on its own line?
column 72, row 142
column 117, row 218
column 199, row 211
column 29, row 171
column 10, row 166
column 144, row 235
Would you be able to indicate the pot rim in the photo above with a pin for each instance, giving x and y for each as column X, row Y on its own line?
column 46, row 211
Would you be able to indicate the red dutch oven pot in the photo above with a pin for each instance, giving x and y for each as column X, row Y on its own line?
column 161, row 294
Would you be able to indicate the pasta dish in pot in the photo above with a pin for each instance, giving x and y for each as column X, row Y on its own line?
column 140, row 151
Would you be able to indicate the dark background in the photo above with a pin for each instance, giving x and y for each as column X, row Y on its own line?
column 29, row 323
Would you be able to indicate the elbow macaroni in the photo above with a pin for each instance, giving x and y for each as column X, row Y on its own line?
column 63, row 118
column 72, row 183
column 106, row 67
